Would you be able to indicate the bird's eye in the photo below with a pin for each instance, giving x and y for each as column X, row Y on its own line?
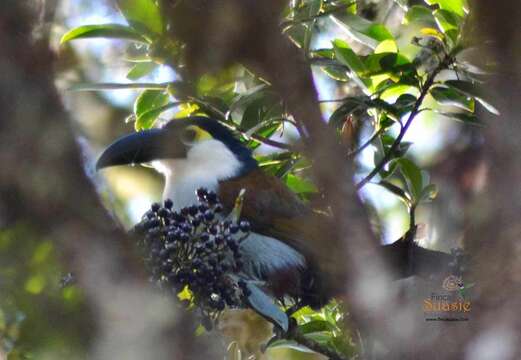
column 188, row 136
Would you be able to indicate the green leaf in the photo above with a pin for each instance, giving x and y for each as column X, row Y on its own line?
column 148, row 106
column 299, row 185
column 320, row 337
column 253, row 114
column 316, row 326
column 242, row 101
column 289, row 344
column 429, row 193
column 141, row 69
column 346, row 56
column 456, row 6
column 471, row 90
column 297, row 34
column 150, row 99
column 265, row 131
column 447, row 20
column 147, row 119
column 386, row 62
column 413, row 177
column 445, row 95
column 386, row 46
column 212, row 106
column 395, row 190
column 314, row 9
column 142, row 15
column 467, row 118
column 391, row 110
column 419, row 14
column 258, row 111
column 405, row 103
column 338, row 73
column 365, row 31
column 114, row 31
column 393, row 92
column 349, row 106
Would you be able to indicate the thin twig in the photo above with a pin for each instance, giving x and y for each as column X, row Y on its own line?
column 330, row 11
column 366, row 144
column 332, row 100
column 243, row 132
column 415, row 111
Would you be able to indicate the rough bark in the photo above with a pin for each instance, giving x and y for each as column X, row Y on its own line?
column 44, row 185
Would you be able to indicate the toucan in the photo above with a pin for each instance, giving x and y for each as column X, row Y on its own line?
column 199, row 152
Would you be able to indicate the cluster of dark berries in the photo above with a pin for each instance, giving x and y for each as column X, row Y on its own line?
column 196, row 248
column 458, row 264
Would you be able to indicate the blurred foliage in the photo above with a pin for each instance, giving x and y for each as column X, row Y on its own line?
column 35, row 304
column 389, row 83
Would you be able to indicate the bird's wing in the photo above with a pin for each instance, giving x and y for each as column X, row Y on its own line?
column 274, row 210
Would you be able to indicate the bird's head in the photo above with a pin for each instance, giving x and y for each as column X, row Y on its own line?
column 194, row 142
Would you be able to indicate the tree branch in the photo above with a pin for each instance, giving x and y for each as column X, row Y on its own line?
column 415, row 111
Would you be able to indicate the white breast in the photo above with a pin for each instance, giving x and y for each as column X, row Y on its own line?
column 206, row 163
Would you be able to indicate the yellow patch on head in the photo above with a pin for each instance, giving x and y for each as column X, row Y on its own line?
column 200, row 133
column 194, row 134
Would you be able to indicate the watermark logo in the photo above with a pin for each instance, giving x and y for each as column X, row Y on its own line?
column 451, row 303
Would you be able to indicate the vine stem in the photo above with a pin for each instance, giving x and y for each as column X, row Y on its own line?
column 415, row 111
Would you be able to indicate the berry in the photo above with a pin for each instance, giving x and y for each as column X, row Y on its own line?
column 186, row 227
column 178, row 217
column 150, row 214
column 201, row 193
column 171, row 248
column 164, row 254
column 168, row 204
column 209, row 215
column 166, row 267
column 244, row 226
column 154, row 232
column 193, row 210
column 155, row 207
column 199, row 249
column 184, row 237
column 219, row 239
column 172, row 236
column 163, row 212
column 211, row 196
column 197, row 263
